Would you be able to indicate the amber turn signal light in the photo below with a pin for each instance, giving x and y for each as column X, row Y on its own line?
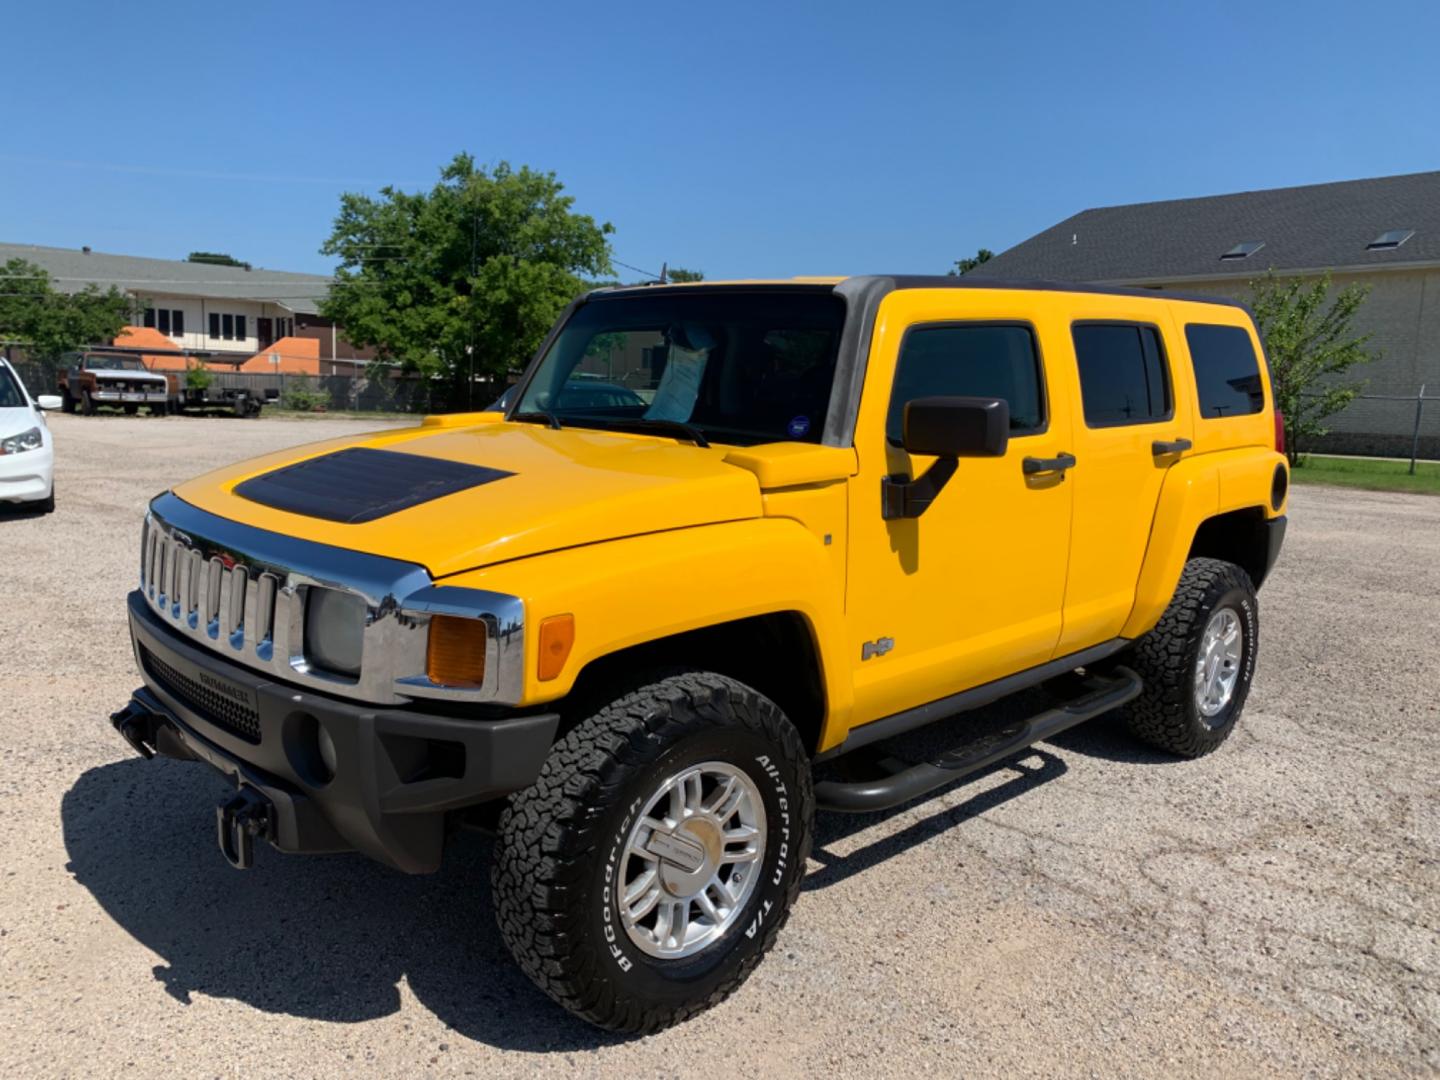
column 557, row 635
column 456, row 654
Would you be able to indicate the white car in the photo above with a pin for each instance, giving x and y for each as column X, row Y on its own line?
column 27, row 450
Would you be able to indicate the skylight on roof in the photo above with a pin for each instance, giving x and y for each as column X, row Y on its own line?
column 1244, row 249
column 1389, row 239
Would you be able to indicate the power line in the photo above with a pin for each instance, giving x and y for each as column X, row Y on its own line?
column 637, row 269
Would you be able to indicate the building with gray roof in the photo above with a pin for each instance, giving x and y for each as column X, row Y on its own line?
column 1383, row 232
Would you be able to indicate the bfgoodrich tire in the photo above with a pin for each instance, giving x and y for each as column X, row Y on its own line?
column 1198, row 661
column 694, row 785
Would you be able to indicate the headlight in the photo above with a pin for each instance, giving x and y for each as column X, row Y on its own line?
column 334, row 630
column 26, row 440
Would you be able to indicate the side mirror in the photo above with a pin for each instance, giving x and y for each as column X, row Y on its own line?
column 948, row 428
column 48, row 402
column 956, row 427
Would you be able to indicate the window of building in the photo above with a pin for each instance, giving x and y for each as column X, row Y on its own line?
column 1390, row 239
column 177, row 322
column 214, row 324
column 227, row 327
column 149, row 319
column 240, row 327
column 970, row 360
column 164, row 320
column 1122, row 374
column 1227, row 371
column 1244, row 249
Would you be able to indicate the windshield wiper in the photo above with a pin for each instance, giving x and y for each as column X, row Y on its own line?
column 531, row 416
column 646, row 423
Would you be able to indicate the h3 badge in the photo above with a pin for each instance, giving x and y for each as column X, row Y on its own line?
column 878, row 647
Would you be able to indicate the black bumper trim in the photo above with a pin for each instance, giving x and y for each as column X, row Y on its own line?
column 397, row 773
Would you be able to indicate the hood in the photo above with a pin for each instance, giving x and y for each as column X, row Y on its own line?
column 498, row 492
column 127, row 375
column 20, row 418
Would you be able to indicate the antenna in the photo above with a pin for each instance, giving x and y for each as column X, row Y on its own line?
column 664, row 270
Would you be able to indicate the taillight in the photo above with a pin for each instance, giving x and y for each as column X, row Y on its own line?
column 1279, row 432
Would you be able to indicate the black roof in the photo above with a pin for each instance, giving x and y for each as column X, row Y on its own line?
column 1301, row 228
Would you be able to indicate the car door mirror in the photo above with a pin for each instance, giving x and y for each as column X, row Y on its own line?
column 947, row 428
column 48, row 402
column 956, row 427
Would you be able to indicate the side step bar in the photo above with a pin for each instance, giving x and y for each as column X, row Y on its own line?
column 862, row 796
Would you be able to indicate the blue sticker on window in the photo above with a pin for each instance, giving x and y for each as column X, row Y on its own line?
column 798, row 427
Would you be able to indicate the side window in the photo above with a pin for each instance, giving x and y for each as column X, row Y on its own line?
column 970, row 360
column 1122, row 374
column 1227, row 372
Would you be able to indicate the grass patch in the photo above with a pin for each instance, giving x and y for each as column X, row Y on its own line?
column 1368, row 473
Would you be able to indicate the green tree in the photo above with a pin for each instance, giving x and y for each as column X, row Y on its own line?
column 1312, row 343
column 216, row 258
column 964, row 266
column 680, row 274
column 463, row 280
column 47, row 322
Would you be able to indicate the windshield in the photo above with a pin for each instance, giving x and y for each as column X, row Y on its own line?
column 739, row 367
column 113, row 363
column 10, row 395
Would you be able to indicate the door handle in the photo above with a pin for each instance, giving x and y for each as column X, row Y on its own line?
column 1059, row 463
column 1159, row 448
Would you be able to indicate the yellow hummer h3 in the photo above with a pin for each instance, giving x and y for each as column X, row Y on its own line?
column 722, row 533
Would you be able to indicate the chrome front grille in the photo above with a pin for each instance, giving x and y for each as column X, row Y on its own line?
column 219, row 598
column 241, row 592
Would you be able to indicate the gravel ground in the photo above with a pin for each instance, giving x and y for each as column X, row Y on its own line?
column 1094, row 909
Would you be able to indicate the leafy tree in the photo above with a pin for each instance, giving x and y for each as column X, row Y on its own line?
column 964, row 266
column 1312, row 344
column 680, row 274
column 216, row 258
column 463, row 280
column 48, row 322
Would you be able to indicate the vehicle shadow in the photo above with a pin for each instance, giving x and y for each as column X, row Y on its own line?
column 1031, row 768
column 326, row 938
column 331, row 938
column 1104, row 737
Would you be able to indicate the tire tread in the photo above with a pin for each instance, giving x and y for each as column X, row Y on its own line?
column 551, row 833
column 1160, row 715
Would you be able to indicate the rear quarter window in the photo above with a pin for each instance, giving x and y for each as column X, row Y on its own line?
column 1227, row 371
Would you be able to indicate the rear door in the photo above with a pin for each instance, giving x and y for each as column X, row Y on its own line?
column 1129, row 429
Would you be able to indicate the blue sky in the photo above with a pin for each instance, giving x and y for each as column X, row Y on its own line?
column 742, row 139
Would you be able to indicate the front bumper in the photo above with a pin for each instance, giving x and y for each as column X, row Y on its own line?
column 131, row 397
column 392, row 774
column 26, row 476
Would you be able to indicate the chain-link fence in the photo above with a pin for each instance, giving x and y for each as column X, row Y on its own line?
column 383, row 392
column 1384, row 425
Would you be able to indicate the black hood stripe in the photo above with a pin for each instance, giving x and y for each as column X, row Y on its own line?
column 359, row 485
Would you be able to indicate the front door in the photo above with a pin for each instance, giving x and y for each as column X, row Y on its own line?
column 265, row 330
column 972, row 589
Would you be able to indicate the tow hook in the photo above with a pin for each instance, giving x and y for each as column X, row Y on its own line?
column 136, row 725
column 238, row 822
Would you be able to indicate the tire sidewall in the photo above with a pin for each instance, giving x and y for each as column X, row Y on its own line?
column 781, row 786
column 1247, row 607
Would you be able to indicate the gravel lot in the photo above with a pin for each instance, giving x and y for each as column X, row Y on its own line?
column 1093, row 909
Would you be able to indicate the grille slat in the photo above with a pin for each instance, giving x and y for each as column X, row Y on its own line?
column 212, row 705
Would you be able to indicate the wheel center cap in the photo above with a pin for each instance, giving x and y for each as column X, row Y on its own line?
column 688, row 855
